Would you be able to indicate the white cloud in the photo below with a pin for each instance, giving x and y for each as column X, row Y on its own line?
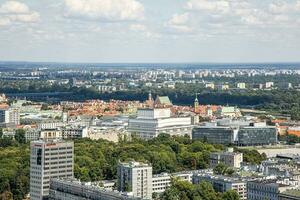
column 179, row 22
column 280, row 7
column 108, row 10
column 208, row 5
column 17, row 12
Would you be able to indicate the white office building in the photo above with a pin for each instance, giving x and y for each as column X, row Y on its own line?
column 135, row 177
column 49, row 160
column 149, row 123
column 10, row 116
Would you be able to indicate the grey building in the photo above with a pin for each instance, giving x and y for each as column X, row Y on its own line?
column 223, row 183
column 268, row 189
column 135, row 177
column 70, row 189
column 215, row 134
column 251, row 136
column 49, row 159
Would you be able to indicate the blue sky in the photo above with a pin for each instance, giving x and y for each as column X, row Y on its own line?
column 150, row 30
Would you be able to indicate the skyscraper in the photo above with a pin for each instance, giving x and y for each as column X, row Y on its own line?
column 49, row 159
column 135, row 177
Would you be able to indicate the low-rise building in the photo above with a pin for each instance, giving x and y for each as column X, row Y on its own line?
column 70, row 189
column 268, row 188
column 149, row 123
column 222, row 183
column 215, row 134
column 229, row 158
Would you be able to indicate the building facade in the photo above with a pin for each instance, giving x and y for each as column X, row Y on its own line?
column 229, row 158
column 215, row 134
column 68, row 189
column 135, row 177
column 49, row 159
column 149, row 123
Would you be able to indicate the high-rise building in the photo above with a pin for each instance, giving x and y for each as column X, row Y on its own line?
column 10, row 116
column 48, row 160
column 135, row 177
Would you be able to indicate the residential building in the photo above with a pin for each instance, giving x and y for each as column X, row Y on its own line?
column 268, row 188
column 72, row 132
column 48, row 160
column 223, row 183
column 10, row 116
column 70, row 189
column 229, row 158
column 135, row 177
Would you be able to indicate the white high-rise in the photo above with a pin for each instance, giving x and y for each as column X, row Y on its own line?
column 49, row 159
column 135, row 177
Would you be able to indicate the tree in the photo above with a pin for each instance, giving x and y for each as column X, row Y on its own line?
column 20, row 136
column 220, row 169
column 206, row 191
column 231, row 195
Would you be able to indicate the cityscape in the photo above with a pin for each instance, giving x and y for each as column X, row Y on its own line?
column 149, row 100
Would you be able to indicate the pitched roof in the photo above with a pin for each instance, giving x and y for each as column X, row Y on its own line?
column 163, row 100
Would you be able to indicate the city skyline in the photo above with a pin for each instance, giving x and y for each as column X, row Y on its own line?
column 103, row 31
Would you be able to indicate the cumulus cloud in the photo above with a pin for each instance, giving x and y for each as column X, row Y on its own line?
column 179, row 22
column 16, row 12
column 107, row 10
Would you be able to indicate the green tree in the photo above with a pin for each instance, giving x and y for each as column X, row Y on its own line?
column 220, row 169
column 231, row 195
column 20, row 136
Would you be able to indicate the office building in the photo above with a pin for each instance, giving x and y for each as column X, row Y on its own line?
column 215, row 134
column 49, row 160
column 70, row 189
column 135, row 177
column 257, row 134
column 151, row 122
column 229, row 158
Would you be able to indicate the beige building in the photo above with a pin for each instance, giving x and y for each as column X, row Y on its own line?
column 229, row 158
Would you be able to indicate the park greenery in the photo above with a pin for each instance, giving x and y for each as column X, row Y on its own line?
column 183, row 190
column 97, row 160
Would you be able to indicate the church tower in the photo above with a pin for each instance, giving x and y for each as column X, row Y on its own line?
column 196, row 104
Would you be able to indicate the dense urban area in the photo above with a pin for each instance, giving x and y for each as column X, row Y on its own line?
column 149, row 131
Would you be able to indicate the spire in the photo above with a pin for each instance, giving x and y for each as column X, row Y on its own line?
column 196, row 103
